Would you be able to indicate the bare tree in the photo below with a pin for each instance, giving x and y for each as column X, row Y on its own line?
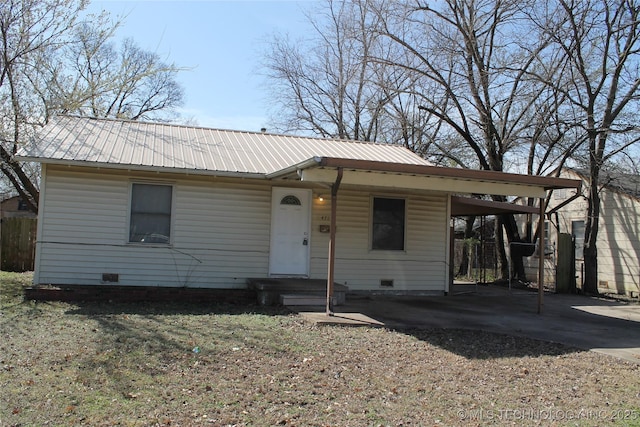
column 323, row 86
column 126, row 83
column 29, row 29
column 51, row 61
column 455, row 81
column 511, row 84
column 329, row 86
column 600, row 42
column 475, row 60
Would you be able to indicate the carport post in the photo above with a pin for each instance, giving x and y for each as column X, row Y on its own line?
column 541, row 244
column 332, row 241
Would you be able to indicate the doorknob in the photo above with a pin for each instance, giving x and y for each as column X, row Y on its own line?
column 305, row 241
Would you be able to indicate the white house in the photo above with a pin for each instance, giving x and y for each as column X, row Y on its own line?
column 618, row 240
column 148, row 204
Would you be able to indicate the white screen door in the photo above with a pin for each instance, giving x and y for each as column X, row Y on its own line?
column 290, row 222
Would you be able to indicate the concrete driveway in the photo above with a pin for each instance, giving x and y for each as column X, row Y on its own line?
column 589, row 323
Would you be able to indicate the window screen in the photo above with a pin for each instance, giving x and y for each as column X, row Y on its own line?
column 150, row 213
column 388, row 224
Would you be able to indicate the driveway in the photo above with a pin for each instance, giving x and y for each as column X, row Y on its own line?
column 597, row 324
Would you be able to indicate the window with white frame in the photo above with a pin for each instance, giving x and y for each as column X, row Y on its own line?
column 388, row 224
column 577, row 231
column 150, row 220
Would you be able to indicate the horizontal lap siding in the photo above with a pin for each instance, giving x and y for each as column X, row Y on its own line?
column 220, row 233
column 619, row 242
column 422, row 267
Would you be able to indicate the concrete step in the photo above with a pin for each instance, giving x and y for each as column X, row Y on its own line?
column 269, row 290
column 306, row 299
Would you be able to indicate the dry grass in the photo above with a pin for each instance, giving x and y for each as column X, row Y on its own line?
column 103, row 364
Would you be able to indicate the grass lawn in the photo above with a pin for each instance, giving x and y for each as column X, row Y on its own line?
column 170, row 364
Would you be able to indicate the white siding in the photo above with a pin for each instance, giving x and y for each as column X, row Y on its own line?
column 618, row 238
column 619, row 243
column 421, row 267
column 220, row 235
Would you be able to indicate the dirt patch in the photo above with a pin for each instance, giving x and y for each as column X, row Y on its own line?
column 187, row 364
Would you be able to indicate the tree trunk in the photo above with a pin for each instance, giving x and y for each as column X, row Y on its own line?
column 517, row 252
column 19, row 179
column 503, row 263
column 591, row 234
column 507, row 223
column 463, row 270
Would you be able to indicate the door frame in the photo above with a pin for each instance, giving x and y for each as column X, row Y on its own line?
column 277, row 193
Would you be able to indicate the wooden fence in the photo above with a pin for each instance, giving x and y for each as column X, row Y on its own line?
column 17, row 244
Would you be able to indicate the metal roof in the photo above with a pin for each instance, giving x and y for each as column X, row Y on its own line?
column 159, row 146
column 625, row 183
column 458, row 174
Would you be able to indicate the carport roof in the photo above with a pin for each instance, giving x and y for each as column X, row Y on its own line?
column 465, row 206
column 422, row 177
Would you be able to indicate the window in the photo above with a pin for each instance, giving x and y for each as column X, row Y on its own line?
column 22, row 205
column 560, row 194
column 548, row 247
column 290, row 200
column 577, row 231
column 388, row 224
column 150, row 213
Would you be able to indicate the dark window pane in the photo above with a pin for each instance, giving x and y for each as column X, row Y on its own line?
column 22, row 206
column 290, row 200
column 150, row 213
column 388, row 224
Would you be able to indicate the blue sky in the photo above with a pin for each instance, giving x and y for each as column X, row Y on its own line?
column 222, row 42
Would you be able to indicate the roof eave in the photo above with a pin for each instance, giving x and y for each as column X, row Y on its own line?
column 142, row 168
column 548, row 183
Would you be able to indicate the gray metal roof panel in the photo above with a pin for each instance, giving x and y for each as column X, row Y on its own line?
column 625, row 183
column 81, row 140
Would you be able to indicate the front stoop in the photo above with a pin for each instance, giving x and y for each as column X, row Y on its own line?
column 269, row 291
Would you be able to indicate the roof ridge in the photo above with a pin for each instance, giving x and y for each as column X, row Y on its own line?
column 250, row 132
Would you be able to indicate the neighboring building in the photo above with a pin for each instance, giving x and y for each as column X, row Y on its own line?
column 618, row 235
column 148, row 204
column 15, row 207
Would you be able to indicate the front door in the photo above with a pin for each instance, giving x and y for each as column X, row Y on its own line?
column 290, row 222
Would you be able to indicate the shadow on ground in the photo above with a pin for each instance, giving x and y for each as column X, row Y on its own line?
column 172, row 308
column 473, row 344
column 481, row 323
column 576, row 321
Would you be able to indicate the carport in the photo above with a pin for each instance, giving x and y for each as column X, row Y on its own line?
column 366, row 174
column 469, row 206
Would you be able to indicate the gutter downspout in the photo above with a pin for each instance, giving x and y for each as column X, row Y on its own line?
column 332, row 241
